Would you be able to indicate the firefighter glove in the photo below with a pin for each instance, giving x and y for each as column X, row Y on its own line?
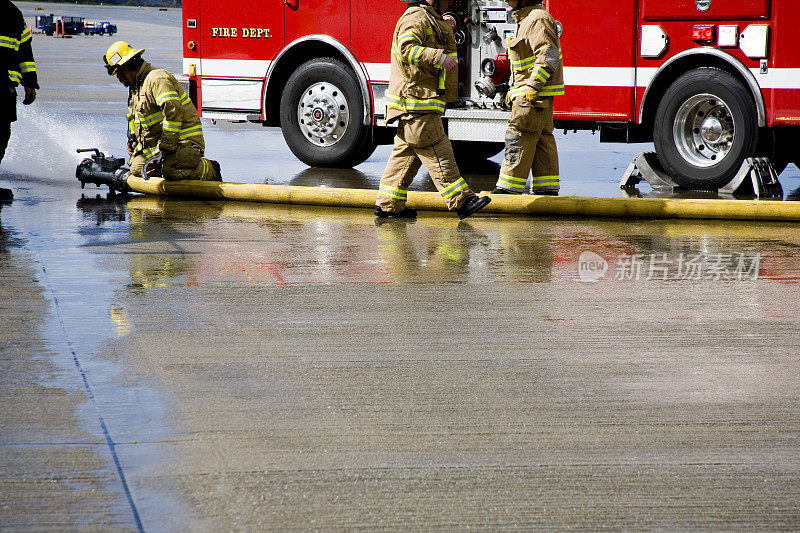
column 30, row 96
column 531, row 94
column 166, row 149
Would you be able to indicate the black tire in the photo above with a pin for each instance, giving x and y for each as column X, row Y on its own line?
column 705, row 127
column 328, row 130
column 471, row 151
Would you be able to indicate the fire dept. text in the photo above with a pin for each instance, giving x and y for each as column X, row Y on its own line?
column 247, row 33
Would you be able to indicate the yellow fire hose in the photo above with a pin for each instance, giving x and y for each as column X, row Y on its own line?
column 506, row 204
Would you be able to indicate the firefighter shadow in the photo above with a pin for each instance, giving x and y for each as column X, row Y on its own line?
column 344, row 178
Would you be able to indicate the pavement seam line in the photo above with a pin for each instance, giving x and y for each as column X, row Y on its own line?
column 109, row 441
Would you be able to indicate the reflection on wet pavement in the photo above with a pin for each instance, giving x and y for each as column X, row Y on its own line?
column 312, row 351
column 268, row 244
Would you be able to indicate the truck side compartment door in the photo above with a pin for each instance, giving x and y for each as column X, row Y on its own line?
column 237, row 42
column 784, row 68
column 372, row 31
column 598, row 44
column 328, row 17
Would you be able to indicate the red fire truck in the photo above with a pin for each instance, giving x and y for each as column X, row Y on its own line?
column 710, row 82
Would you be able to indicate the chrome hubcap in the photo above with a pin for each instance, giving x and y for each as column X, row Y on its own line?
column 703, row 130
column 323, row 114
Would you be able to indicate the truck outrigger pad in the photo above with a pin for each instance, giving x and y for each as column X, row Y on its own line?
column 756, row 177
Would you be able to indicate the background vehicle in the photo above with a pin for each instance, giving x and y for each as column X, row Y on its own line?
column 99, row 28
column 41, row 22
column 68, row 25
column 710, row 82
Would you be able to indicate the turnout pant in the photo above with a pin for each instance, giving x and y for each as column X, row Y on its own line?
column 185, row 163
column 530, row 149
column 8, row 114
column 5, row 135
column 421, row 140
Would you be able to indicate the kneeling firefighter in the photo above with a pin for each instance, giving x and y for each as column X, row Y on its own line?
column 162, row 120
column 537, row 78
column 423, row 77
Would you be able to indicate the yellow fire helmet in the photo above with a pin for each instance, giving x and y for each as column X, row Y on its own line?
column 118, row 54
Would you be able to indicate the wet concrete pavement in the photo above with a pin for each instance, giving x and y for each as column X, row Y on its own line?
column 268, row 366
column 173, row 365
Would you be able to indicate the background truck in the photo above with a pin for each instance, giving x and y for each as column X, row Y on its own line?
column 710, row 82
column 64, row 25
column 41, row 22
column 99, row 28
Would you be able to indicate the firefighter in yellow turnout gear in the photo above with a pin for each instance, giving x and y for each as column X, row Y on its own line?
column 424, row 76
column 161, row 118
column 537, row 78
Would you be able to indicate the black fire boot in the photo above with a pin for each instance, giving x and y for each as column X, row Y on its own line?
column 217, row 171
column 472, row 205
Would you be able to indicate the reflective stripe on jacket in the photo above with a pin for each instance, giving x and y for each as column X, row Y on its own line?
column 535, row 54
column 160, row 113
column 418, row 83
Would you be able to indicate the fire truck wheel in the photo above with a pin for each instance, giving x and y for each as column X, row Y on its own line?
column 705, row 127
column 322, row 115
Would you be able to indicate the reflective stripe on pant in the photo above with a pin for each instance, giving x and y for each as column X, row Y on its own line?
column 530, row 149
column 421, row 141
column 185, row 163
